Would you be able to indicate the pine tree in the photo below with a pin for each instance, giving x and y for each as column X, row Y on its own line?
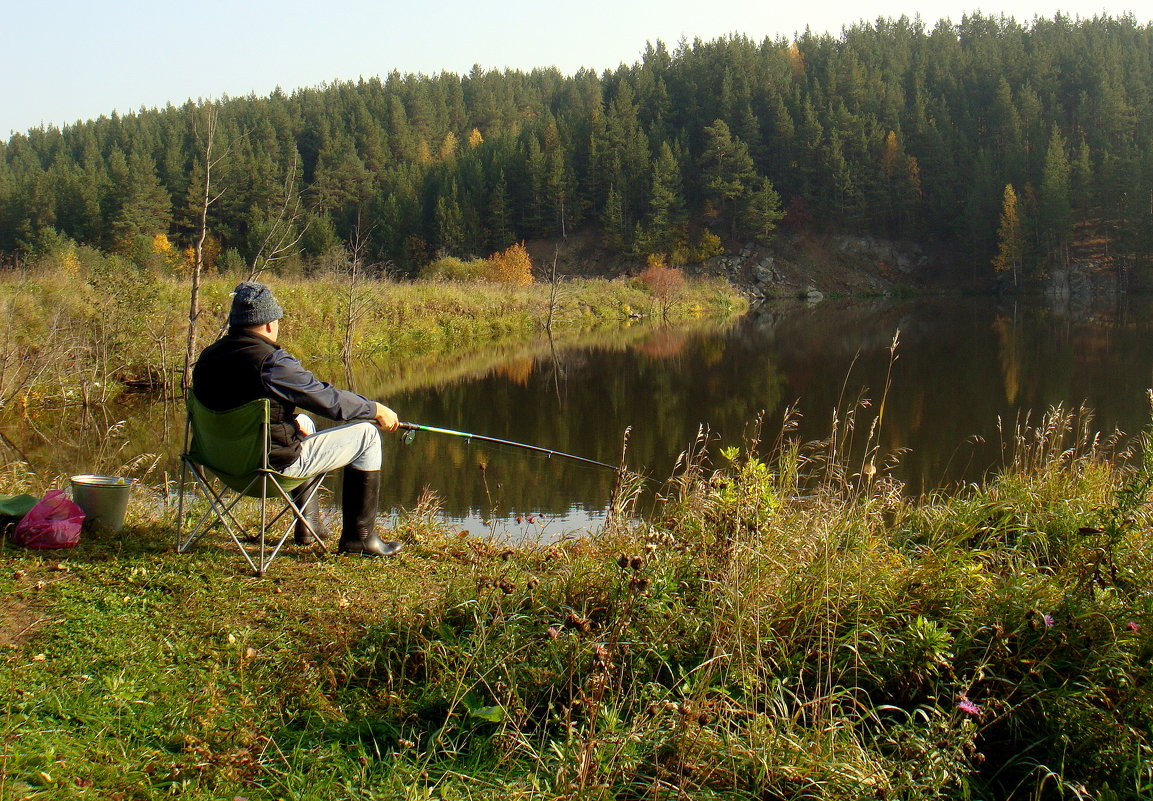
column 341, row 180
column 449, row 223
column 1082, row 180
column 143, row 208
column 614, row 222
column 666, row 203
column 499, row 224
column 1008, row 136
column 761, row 211
column 726, row 169
column 1056, row 212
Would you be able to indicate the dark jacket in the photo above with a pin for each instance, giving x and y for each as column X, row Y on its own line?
column 244, row 366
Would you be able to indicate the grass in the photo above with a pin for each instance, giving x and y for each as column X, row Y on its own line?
column 779, row 630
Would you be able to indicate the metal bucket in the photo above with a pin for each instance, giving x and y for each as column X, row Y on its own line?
column 104, row 499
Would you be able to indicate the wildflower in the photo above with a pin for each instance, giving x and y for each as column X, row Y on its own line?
column 1134, row 626
column 1048, row 620
column 518, row 518
column 530, row 519
column 553, row 632
column 968, row 707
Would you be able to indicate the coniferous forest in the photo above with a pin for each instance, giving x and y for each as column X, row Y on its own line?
column 1001, row 141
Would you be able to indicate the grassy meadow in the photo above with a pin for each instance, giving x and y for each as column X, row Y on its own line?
column 787, row 627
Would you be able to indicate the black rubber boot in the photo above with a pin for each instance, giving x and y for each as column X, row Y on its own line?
column 359, row 506
column 311, row 511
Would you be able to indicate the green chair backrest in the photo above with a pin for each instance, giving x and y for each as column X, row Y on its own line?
column 232, row 444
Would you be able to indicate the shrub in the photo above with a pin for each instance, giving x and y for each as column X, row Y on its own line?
column 451, row 268
column 706, row 246
column 512, row 265
column 665, row 283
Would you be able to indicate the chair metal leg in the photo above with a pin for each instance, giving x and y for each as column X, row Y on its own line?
column 259, row 552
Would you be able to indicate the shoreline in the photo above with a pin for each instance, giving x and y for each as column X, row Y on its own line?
column 72, row 340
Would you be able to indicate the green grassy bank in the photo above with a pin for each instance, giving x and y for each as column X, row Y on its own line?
column 788, row 628
column 84, row 336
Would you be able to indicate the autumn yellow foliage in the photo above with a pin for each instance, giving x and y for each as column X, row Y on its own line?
column 448, row 146
column 211, row 254
column 512, row 265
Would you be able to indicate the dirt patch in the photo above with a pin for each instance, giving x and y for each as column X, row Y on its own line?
column 23, row 612
column 580, row 254
column 798, row 263
column 21, row 620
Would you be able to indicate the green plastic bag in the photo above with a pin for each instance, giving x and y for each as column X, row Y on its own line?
column 16, row 505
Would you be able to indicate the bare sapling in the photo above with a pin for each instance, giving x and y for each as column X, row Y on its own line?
column 357, row 301
column 558, row 371
column 206, row 133
column 283, row 236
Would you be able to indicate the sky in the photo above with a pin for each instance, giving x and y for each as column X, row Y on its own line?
column 62, row 61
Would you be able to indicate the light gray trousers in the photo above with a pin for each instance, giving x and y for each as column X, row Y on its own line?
column 355, row 445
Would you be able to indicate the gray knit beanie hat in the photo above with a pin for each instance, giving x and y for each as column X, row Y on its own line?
column 253, row 304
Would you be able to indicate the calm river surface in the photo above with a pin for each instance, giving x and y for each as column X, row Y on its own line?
column 961, row 365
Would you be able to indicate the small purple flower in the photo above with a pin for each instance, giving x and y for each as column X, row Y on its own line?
column 968, row 707
column 1048, row 620
column 1134, row 626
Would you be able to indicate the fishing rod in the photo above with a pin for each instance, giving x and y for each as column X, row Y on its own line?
column 410, row 430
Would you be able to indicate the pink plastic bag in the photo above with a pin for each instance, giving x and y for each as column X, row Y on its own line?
column 54, row 522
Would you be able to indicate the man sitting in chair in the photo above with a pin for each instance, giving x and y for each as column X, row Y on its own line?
column 248, row 364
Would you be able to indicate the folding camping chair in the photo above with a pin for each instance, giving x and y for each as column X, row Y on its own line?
column 232, row 447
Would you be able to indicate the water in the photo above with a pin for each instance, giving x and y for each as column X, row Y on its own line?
column 965, row 370
column 962, row 364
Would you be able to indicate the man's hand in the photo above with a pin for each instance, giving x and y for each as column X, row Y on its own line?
column 385, row 418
